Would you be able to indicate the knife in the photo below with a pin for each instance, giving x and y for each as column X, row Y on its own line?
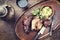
column 51, row 27
column 39, row 33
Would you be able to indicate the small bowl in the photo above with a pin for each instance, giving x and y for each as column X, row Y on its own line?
column 22, row 3
column 50, row 6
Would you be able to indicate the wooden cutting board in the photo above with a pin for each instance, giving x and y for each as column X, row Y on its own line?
column 19, row 26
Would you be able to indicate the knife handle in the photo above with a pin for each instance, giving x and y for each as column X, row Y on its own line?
column 36, row 37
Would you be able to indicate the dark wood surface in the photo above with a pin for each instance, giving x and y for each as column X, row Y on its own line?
column 7, row 28
column 19, row 27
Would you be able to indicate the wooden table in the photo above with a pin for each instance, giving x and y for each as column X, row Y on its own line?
column 19, row 29
column 7, row 28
